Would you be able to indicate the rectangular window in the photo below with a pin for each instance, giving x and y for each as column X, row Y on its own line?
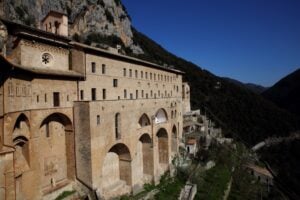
column 104, row 94
column 10, row 89
column 81, row 95
column 146, row 75
column 103, row 69
column 137, row 94
column 37, row 98
column 56, row 99
column 155, row 77
column 130, row 72
column 124, row 71
column 136, row 74
column 94, row 94
column 142, row 74
column 98, row 119
column 131, row 96
column 150, row 76
column 45, row 97
column 146, row 95
column 115, row 82
column 93, row 67
column 47, row 130
column 125, row 94
column 142, row 93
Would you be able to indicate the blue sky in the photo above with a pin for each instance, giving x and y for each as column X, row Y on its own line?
column 255, row 41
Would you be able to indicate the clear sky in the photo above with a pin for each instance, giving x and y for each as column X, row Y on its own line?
column 255, row 41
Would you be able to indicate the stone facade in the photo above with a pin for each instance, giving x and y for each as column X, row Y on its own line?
column 73, row 115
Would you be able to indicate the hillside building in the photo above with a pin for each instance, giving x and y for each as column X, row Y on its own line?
column 72, row 116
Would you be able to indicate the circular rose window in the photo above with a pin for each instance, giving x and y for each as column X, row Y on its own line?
column 47, row 59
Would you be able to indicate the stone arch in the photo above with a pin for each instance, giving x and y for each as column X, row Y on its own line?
column 161, row 116
column 174, row 139
column 144, row 120
column 22, row 126
column 163, row 146
column 147, row 154
column 57, row 154
column 117, row 166
column 20, row 140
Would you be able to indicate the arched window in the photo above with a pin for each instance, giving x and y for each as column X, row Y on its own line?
column 161, row 116
column 118, row 126
column 144, row 120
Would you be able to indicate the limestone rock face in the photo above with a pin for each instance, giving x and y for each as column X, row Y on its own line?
column 106, row 17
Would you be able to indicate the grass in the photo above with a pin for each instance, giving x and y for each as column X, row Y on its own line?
column 65, row 194
column 212, row 183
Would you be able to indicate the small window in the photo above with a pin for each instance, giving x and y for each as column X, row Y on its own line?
column 146, row 75
column 93, row 67
column 146, row 95
column 103, row 69
column 47, row 130
column 37, row 98
column 68, row 98
column 130, row 72
column 150, row 76
column 104, row 94
column 125, row 94
column 81, row 95
column 94, row 97
column 151, row 93
column 142, row 74
column 131, row 96
column 117, row 126
column 98, row 119
column 137, row 94
column 142, row 93
column 136, row 74
column 56, row 101
column 115, row 82
column 155, row 77
column 45, row 97
column 124, row 71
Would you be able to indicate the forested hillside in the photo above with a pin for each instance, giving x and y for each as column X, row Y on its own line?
column 286, row 93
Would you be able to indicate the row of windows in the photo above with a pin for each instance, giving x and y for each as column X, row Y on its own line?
column 141, row 74
column 93, row 68
column 138, row 94
column 152, row 76
column 21, row 90
column 56, row 98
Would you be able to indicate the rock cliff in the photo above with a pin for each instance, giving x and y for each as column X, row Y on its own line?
column 105, row 18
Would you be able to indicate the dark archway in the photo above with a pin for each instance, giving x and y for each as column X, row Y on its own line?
column 163, row 146
column 144, row 120
column 174, row 139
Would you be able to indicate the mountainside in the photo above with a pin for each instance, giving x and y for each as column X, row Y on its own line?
column 108, row 18
column 258, row 89
column 240, row 112
column 286, row 93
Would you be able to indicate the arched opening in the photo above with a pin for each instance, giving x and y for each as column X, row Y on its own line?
column 21, row 127
column 116, row 171
column 174, row 139
column 163, row 146
column 20, row 135
column 147, row 156
column 144, row 120
column 161, row 116
column 57, row 156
